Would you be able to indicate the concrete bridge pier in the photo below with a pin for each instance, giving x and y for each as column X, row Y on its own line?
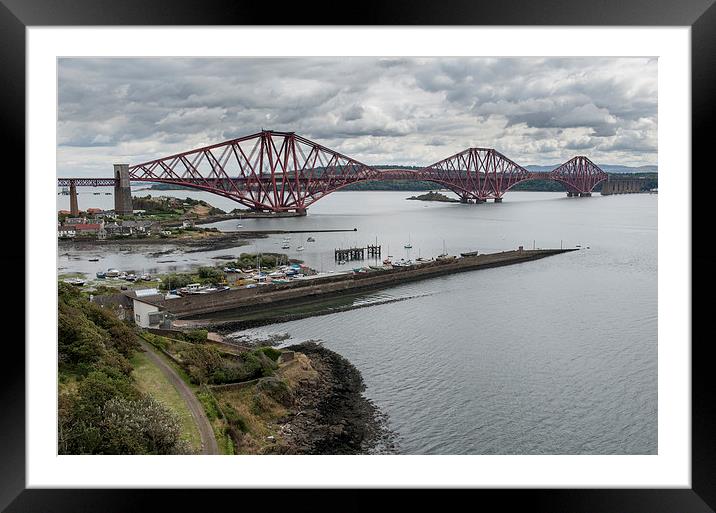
column 74, row 207
column 585, row 194
column 498, row 200
column 122, row 191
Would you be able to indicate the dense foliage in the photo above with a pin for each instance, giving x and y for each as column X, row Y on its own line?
column 267, row 260
column 206, row 364
column 205, row 275
column 169, row 205
column 100, row 409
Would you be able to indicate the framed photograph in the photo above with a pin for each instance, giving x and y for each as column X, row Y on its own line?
column 423, row 249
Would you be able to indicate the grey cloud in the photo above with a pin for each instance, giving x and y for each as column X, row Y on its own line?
column 377, row 110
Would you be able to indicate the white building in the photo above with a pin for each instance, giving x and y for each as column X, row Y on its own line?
column 147, row 313
column 65, row 232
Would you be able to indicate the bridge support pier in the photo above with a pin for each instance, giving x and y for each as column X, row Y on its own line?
column 464, row 199
column 498, row 200
column 480, row 200
column 74, row 207
column 122, row 191
column 584, row 194
column 301, row 211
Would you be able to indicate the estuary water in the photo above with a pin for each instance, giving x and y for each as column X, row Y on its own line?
column 554, row 356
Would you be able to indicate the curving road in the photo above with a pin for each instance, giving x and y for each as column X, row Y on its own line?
column 208, row 440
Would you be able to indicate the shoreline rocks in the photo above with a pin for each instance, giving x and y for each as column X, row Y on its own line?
column 334, row 416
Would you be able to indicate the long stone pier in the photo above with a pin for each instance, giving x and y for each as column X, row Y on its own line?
column 299, row 291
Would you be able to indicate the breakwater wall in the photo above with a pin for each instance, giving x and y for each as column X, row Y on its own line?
column 310, row 289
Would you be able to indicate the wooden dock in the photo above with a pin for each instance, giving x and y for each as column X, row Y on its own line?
column 357, row 253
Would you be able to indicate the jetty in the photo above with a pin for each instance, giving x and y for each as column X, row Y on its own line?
column 299, row 291
column 357, row 253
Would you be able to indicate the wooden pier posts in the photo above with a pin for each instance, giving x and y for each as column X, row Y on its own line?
column 357, row 253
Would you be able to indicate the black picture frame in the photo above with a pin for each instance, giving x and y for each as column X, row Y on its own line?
column 700, row 15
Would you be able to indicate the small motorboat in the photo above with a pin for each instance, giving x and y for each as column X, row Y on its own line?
column 94, row 259
column 341, row 262
column 285, row 245
column 101, row 275
column 300, row 248
column 75, row 281
column 310, row 239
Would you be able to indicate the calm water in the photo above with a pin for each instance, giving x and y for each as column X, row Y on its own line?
column 556, row 356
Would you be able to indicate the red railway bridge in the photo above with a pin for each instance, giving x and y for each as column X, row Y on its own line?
column 282, row 172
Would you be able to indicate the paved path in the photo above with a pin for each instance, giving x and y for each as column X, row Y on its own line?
column 208, row 440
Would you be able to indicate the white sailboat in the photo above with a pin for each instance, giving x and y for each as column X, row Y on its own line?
column 444, row 254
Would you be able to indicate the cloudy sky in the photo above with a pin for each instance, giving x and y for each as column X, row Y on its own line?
column 409, row 111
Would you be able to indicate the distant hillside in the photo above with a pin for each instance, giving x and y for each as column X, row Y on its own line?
column 609, row 168
column 536, row 185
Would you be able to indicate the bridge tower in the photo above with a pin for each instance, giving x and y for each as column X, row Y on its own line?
column 122, row 192
column 74, row 207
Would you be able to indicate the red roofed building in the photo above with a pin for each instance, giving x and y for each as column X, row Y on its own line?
column 87, row 227
column 94, row 210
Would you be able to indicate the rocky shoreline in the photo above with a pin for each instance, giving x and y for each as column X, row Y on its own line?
column 215, row 241
column 334, row 417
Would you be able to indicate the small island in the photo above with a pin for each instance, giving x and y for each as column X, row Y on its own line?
column 434, row 196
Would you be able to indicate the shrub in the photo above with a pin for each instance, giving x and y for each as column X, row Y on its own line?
column 144, row 426
column 270, row 352
column 209, row 403
column 196, row 335
column 177, row 280
column 277, row 389
column 211, row 274
column 234, row 419
column 203, row 363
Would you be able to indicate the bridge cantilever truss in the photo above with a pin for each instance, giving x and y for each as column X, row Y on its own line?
column 282, row 171
column 275, row 171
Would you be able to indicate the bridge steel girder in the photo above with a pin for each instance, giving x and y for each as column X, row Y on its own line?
column 275, row 171
column 579, row 174
column 281, row 171
column 484, row 173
